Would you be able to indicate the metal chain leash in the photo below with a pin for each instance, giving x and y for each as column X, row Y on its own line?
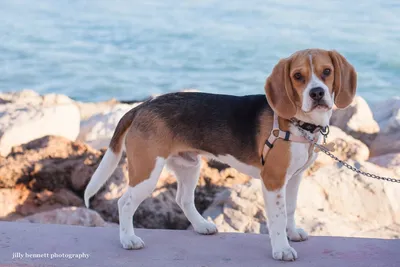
column 343, row 163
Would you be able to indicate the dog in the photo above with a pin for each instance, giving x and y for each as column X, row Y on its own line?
column 254, row 134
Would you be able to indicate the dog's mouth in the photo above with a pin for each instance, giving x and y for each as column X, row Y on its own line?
column 320, row 105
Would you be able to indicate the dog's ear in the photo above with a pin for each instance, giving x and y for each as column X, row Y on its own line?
column 279, row 90
column 345, row 80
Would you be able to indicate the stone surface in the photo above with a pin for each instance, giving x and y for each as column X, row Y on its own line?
column 169, row 248
column 48, row 163
column 11, row 199
column 45, row 174
column 340, row 202
column 332, row 201
column 25, row 202
column 68, row 215
column 26, row 116
column 98, row 129
column 346, row 148
column 356, row 120
column 385, row 143
column 387, row 114
column 239, row 209
column 391, row 161
column 88, row 109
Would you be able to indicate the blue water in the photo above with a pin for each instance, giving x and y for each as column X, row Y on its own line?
column 95, row 50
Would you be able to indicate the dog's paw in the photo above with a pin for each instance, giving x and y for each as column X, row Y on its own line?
column 206, row 228
column 297, row 235
column 131, row 242
column 284, row 254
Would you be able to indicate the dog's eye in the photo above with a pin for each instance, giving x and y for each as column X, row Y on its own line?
column 297, row 76
column 327, row 72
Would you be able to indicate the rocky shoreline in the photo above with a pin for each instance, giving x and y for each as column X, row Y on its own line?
column 50, row 146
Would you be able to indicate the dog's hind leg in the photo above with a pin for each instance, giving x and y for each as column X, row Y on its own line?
column 187, row 172
column 131, row 200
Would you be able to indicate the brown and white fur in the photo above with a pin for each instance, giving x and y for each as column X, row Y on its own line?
column 174, row 130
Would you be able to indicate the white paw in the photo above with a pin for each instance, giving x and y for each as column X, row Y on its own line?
column 284, row 254
column 297, row 235
column 205, row 228
column 131, row 242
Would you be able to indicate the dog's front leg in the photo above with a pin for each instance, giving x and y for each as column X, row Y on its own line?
column 292, row 188
column 275, row 204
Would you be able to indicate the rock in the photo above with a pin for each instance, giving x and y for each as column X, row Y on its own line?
column 23, row 202
column 49, row 163
column 390, row 161
column 387, row 114
column 239, row 209
column 332, row 201
column 336, row 201
column 69, row 215
column 346, row 148
column 11, row 199
column 51, row 173
column 89, row 109
column 26, row 116
column 385, row 143
column 356, row 120
column 98, row 129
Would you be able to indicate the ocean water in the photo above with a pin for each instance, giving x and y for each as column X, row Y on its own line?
column 95, row 50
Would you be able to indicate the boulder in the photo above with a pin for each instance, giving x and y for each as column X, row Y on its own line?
column 356, row 120
column 239, row 209
column 385, row 143
column 387, row 113
column 89, row 109
column 332, row 201
column 68, row 215
column 338, row 201
column 98, row 129
column 346, row 147
column 26, row 116
column 390, row 161
column 45, row 174
column 23, row 202
column 10, row 200
column 49, row 162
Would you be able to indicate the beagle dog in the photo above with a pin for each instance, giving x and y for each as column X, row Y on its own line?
column 254, row 134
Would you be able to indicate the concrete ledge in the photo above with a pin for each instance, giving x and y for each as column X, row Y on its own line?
column 181, row 248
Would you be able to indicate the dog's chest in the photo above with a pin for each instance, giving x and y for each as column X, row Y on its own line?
column 301, row 158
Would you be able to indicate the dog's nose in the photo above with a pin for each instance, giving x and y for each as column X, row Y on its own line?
column 317, row 93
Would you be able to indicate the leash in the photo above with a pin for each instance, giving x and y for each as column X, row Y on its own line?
column 329, row 148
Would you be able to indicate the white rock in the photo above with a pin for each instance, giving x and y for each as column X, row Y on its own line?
column 332, row 201
column 98, row 129
column 68, row 215
column 356, row 120
column 387, row 114
column 88, row 109
column 385, row 143
column 26, row 116
column 347, row 148
column 390, row 161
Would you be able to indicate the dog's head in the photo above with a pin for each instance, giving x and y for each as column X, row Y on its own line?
column 308, row 83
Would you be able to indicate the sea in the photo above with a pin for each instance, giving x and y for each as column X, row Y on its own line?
column 96, row 50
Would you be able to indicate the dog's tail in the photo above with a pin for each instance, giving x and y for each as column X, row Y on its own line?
column 111, row 158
